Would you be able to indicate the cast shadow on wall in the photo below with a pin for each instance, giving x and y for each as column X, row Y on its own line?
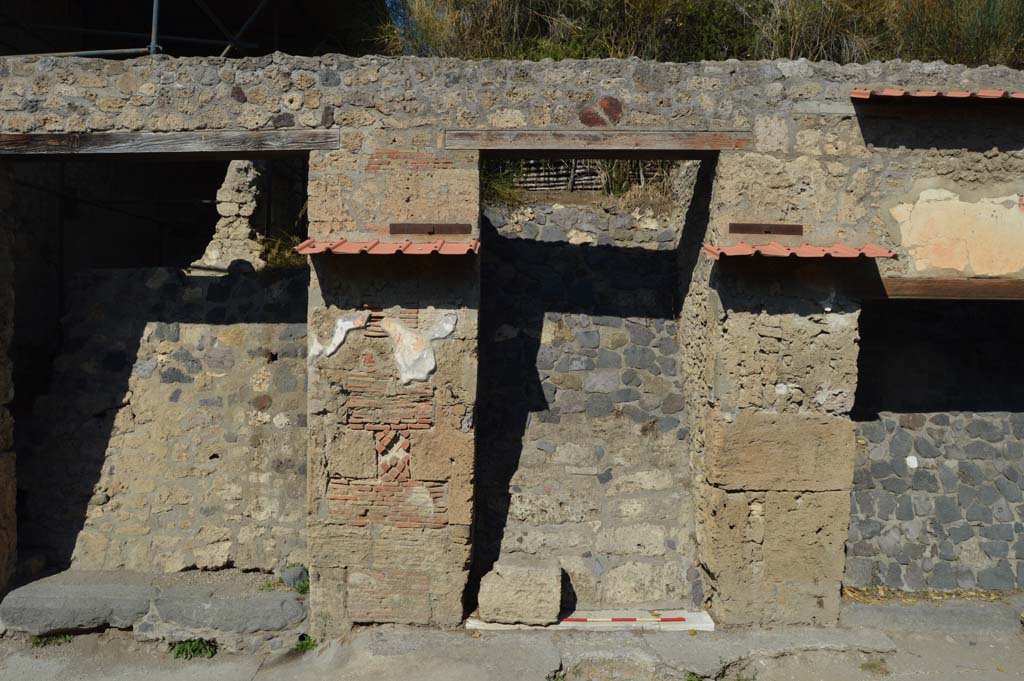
column 972, row 124
column 64, row 434
column 925, row 356
column 522, row 282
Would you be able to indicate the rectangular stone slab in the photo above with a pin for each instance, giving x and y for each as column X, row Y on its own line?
column 781, row 452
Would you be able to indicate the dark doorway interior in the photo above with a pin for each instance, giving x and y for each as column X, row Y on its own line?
column 920, row 356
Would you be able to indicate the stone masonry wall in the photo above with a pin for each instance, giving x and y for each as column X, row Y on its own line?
column 172, row 433
column 778, row 352
column 582, row 456
column 8, row 525
column 938, row 502
column 774, row 467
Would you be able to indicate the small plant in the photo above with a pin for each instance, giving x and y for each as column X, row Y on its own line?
column 557, row 675
column 279, row 251
column 194, row 647
column 690, row 676
column 302, row 586
column 306, row 643
column 50, row 640
column 270, row 584
column 499, row 182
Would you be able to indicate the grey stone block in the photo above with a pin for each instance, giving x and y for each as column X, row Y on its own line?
column 44, row 607
column 294, row 574
column 985, row 429
column 998, row 578
column 947, row 510
column 978, row 449
column 901, row 444
column 872, row 431
column 960, row 532
column 197, row 608
column 925, row 448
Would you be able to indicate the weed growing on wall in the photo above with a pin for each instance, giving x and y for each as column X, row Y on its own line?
column 50, row 640
column 195, row 647
column 306, row 644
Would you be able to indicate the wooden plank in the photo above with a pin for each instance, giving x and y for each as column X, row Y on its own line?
column 649, row 142
column 232, row 142
column 950, row 289
column 765, row 228
column 429, row 228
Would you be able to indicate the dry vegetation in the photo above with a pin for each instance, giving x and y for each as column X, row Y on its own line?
column 971, row 32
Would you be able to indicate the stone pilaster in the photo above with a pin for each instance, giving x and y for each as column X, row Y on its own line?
column 774, row 482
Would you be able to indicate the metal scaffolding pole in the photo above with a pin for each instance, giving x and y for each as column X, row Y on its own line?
column 153, row 46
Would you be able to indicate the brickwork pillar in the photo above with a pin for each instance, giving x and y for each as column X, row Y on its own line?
column 392, row 386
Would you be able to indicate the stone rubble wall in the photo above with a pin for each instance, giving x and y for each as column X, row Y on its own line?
column 776, row 355
column 8, row 524
column 848, row 175
column 234, row 237
column 172, row 435
column 586, row 467
column 938, row 502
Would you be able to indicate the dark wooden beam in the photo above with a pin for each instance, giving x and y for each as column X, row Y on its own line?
column 948, row 289
column 221, row 143
column 598, row 143
column 429, row 228
column 766, row 228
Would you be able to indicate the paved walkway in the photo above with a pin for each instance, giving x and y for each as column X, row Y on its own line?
column 950, row 641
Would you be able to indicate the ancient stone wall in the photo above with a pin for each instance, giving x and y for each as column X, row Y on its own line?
column 8, row 525
column 775, row 467
column 772, row 357
column 938, row 502
column 172, row 432
column 938, row 499
column 582, row 456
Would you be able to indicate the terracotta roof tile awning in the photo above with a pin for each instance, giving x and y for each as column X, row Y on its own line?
column 377, row 247
column 897, row 94
column 774, row 250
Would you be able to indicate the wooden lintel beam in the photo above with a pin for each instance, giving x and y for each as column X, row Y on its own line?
column 651, row 143
column 921, row 288
column 203, row 142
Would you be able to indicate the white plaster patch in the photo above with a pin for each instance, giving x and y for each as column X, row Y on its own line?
column 413, row 352
column 341, row 328
column 943, row 232
column 911, row 461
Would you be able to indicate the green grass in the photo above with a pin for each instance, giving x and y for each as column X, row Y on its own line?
column 302, row 586
column 195, row 647
column 972, row 32
column 270, row 584
column 558, row 675
column 306, row 644
column 50, row 640
column 498, row 179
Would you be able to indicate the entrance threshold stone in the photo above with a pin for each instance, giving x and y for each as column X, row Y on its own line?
column 228, row 607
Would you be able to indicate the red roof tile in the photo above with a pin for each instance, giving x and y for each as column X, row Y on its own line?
column 897, row 93
column 378, row 247
column 774, row 250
